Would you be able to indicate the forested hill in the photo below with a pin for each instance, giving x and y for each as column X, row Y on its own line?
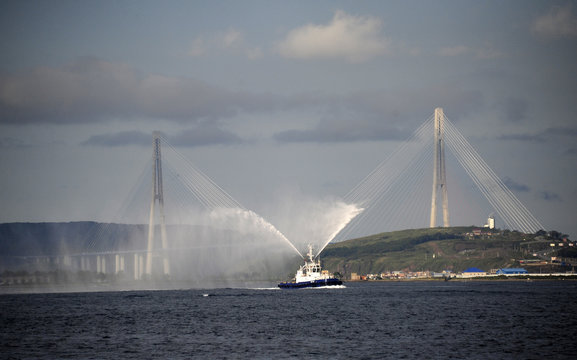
column 437, row 249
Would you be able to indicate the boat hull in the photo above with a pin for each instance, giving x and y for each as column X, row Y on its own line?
column 312, row 283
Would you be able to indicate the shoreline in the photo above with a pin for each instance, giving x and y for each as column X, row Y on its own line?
column 523, row 277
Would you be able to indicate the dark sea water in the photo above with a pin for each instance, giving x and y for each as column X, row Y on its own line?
column 387, row 320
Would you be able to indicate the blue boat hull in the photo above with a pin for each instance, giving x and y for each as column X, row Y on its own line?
column 307, row 284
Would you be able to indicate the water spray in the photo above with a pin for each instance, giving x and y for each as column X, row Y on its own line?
column 250, row 217
column 349, row 217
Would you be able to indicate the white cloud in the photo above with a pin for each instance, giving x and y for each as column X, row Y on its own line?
column 353, row 38
column 254, row 53
column 198, row 48
column 454, row 50
column 486, row 52
column 232, row 38
column 230, row 42
column 558, row 22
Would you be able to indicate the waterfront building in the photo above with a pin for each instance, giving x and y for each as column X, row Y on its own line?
column 512, row 271
column 473, row 272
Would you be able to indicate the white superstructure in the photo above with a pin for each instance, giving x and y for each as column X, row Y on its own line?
column 311, row 270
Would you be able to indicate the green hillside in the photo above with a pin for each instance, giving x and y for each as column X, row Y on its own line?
column 434, row 249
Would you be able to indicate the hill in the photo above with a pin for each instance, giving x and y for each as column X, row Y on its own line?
column 436, row 249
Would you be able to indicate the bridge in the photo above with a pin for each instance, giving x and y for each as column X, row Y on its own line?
column 214, row 228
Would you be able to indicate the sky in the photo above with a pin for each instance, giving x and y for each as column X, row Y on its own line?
column 277, row 101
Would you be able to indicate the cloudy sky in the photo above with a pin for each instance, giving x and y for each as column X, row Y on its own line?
column 277, row 99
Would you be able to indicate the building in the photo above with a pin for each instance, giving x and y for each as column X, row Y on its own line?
column 473, row 272
column 512, row 271
column 443, row 274
column 490, row 222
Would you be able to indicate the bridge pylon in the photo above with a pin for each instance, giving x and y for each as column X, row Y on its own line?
column 439, row 177
column 157, row 200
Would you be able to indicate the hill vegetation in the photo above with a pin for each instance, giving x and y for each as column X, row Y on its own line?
column 438, row 249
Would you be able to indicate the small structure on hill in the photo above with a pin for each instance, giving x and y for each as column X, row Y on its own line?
column 490, row 222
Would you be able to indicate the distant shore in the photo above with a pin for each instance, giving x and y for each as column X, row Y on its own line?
column 523, row 277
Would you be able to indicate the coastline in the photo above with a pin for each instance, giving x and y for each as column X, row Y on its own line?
column 524, row 277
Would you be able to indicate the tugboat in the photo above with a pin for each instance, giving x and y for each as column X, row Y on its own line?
column 310, row 275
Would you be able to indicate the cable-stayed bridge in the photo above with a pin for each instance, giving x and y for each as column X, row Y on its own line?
column 193, row 226
column 395, row 194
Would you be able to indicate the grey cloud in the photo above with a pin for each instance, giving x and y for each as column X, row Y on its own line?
column 518, row 187
column 486, row 52
column 408, row 109
column 514, row 109
column 460, row 103
column 542, row 136
column 123, row 138
column 523, row 137
column 561, row 131
column 202, row 135
column 549, row 196
column 558, row 22
column 10, row 142
column 381, row 115
column 515, row 186
column 349, row 119
column 92, row 90
column 340, row 134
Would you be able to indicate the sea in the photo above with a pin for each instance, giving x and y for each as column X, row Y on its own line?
column 365, row 320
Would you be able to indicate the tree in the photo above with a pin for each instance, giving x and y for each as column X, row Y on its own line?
column 541, row 233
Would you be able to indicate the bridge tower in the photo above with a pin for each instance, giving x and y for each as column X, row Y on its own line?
column 157, row 200
column 439, row 178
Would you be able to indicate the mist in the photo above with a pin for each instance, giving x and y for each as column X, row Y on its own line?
column 206, row 248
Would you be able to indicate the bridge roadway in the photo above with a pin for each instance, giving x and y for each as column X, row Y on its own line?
column 130, row 262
